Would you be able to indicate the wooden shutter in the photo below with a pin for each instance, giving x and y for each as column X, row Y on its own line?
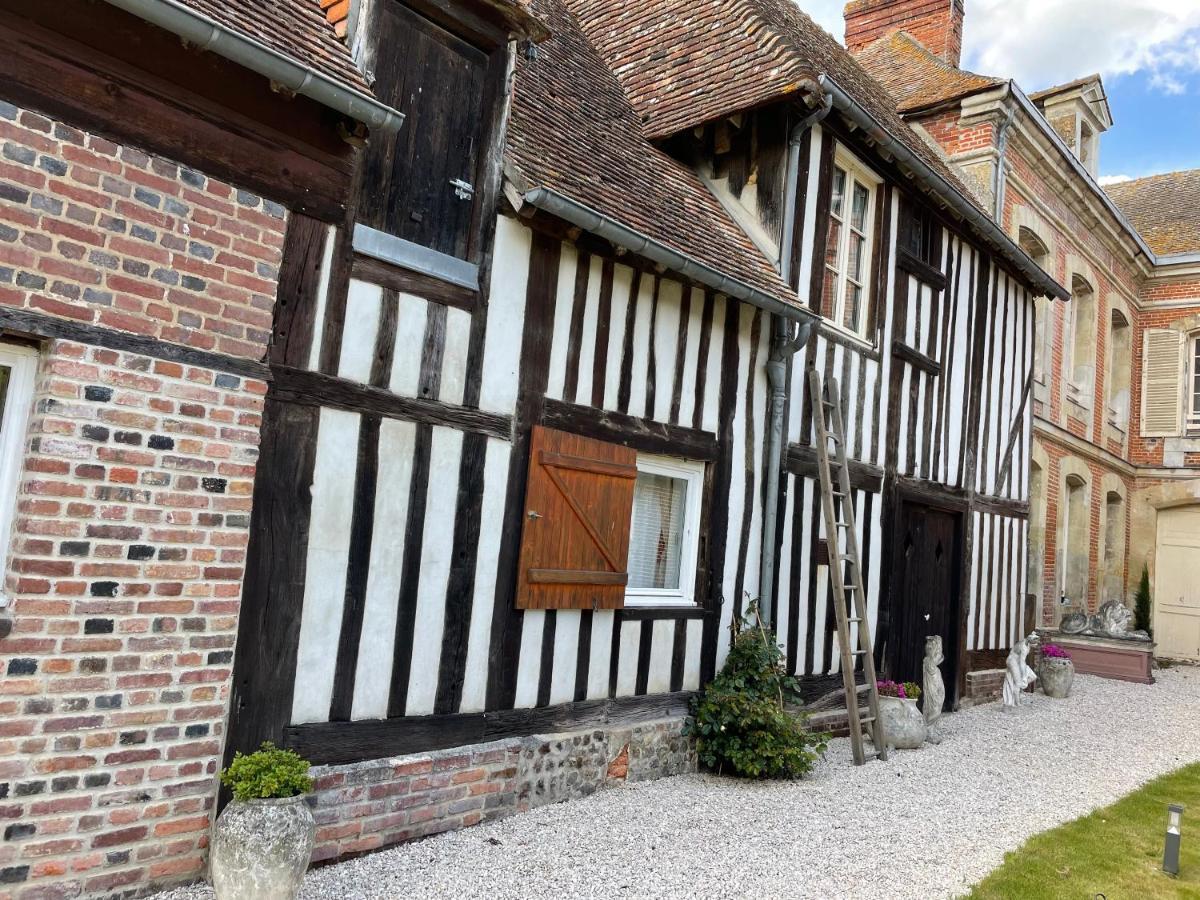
column 1162, row 365
column 575, row 537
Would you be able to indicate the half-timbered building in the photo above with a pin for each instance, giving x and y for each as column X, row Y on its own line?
column 518, row 453
column 517, row 428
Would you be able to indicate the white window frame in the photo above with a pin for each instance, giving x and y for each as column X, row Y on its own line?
column 1191, row 405
column 692, row 473
column 856, row 173
column 22, row 362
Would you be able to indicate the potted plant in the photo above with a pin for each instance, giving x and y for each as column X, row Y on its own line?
column 903, row 723
column 1056, row 671
column 262, row 841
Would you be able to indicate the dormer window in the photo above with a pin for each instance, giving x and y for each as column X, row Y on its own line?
column 846, row 295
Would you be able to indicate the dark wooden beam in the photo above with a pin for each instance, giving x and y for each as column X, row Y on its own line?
column 802, row 460
column 376, row 271
column 315, row 389
column 641, row 434
column 26, row 323
column 337, row 743
column 916, row 358
column 908, row 262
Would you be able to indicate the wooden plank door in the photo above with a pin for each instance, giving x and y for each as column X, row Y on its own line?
column 928, row 561
column 1177, row 576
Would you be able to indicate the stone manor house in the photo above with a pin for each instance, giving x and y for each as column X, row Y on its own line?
column 1115, row 473
column 421, row 385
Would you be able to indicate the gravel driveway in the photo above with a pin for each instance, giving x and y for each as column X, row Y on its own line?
column 926, row 824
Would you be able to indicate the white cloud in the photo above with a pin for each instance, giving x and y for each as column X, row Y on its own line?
column 1114, row 179
column 1045, row 42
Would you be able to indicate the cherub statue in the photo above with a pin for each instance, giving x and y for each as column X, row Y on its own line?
column 1018, row 675
column 934, row 689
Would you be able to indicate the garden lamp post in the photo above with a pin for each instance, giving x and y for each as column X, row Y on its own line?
column 1171, row 847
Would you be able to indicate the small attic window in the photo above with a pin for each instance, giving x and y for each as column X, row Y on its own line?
column 1087, row 139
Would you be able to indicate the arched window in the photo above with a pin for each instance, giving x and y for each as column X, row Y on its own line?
column 1073, row 543
column 1113, row 567
column 1120, row 350
column 1043, row 306
column 1081, row 360
column 1037, row 530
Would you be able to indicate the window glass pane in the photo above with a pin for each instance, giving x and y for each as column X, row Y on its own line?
column 656, row 535
column 858, row 214
column 5, row 375
column 1196, row 379
column 853, row 305
column 832, row 241
column 838, row 200
column 854, row 263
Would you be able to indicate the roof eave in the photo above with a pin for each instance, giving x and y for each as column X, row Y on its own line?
column 601, row 225
column 1044, row 126
column 298, row 77
column 948, row 193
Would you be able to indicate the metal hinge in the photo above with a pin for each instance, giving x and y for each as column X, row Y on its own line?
column 462, row 190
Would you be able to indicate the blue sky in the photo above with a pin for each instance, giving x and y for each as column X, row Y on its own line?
column 1147, row 51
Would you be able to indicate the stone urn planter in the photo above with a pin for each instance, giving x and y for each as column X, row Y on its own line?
column 1056, row 673
column 261, row 848
column 262, row 842
column 903, row 722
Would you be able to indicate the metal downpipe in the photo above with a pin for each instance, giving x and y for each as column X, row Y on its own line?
column 783, row 345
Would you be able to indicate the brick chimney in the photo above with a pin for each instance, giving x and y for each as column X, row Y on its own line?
column 938, row 24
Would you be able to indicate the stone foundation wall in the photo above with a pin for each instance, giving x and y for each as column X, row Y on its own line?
column 375, row 804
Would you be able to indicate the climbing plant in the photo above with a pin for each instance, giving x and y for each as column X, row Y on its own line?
column 742, row 723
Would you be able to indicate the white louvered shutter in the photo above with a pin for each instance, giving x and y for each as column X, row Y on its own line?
column 1162, row 390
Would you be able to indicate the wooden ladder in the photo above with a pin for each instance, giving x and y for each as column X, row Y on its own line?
column 844, row 563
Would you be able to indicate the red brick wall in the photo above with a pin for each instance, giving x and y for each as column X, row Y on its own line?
column 133, row 509
column 98, row 233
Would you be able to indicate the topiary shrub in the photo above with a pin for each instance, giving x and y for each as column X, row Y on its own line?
column 741, row 723
column 1141, row 603
column 268, row 773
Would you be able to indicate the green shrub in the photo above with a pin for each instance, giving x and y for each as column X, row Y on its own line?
column 740, row 721
column 1141, row 606
column 267, row 773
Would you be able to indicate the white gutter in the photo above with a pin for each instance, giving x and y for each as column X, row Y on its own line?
column 610, row 229
column 946, row 192
column 207, row 34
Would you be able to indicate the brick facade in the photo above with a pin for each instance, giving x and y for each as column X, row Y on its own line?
column 1077, row 433
column 133, row 509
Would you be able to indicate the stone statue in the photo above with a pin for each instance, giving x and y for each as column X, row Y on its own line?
column 1018, row 675
column 1111, row 621
column 933, row 688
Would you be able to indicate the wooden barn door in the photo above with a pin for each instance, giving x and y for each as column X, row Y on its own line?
column 926, row 582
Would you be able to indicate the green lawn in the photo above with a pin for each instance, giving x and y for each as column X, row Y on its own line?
column 1115, row 851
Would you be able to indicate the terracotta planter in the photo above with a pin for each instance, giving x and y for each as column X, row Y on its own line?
column 261, row 849
column 903, row 724
column 1056, row 674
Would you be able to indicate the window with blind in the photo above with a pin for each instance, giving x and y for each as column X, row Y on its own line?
column 664, row 532
column 846, row 294
column 1194, row 385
